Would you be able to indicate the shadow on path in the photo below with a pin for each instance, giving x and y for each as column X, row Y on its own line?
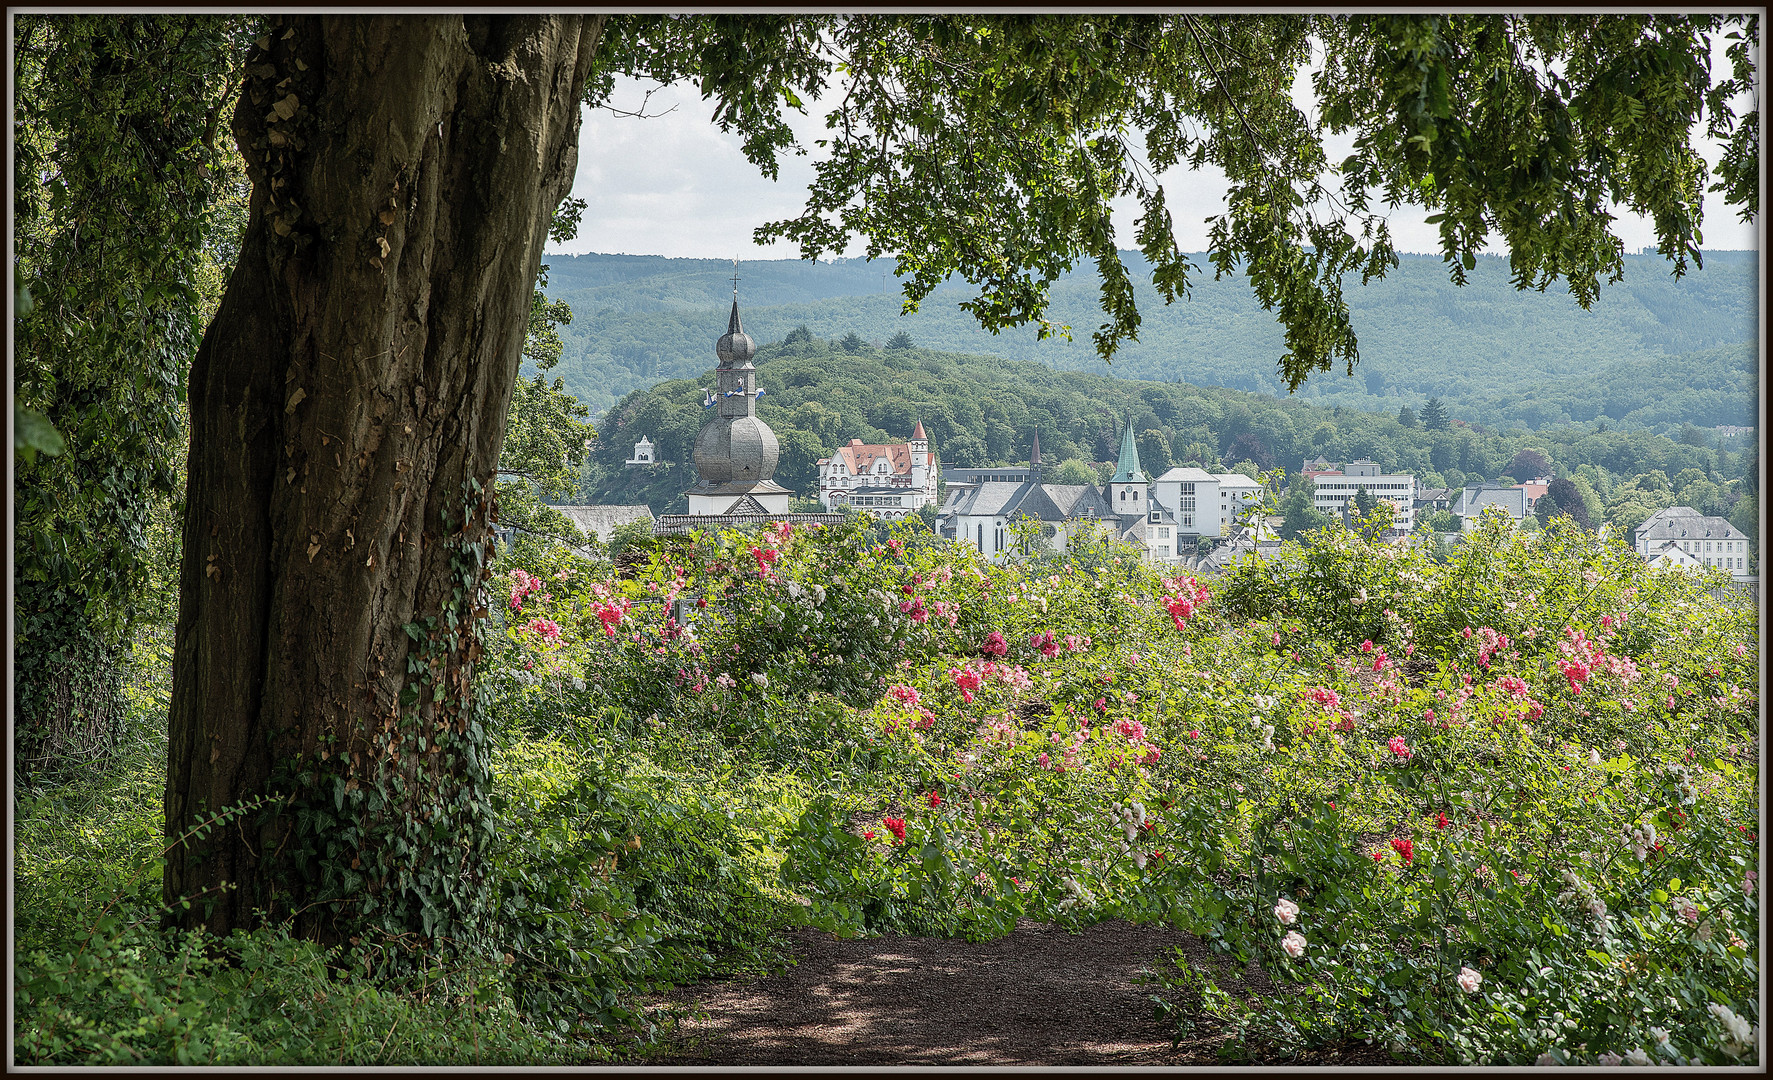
column 1040, row 996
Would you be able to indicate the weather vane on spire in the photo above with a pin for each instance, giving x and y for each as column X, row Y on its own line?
column 735, row 279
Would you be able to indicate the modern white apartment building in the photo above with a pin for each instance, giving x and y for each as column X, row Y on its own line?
column 1192, row 496
column 1238, row 494
column 1203, row 503
column 1336, row 489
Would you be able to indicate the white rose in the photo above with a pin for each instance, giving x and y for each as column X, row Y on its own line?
column 761, row 679
column 1610, row 1059
column 1286, row 911
column 1293, row 944
column 1636, row 1056
column 1469, row 980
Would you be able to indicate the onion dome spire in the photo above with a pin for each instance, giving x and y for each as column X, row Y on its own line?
column 735, row 348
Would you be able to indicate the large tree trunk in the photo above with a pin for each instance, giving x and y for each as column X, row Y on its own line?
column 347, row 406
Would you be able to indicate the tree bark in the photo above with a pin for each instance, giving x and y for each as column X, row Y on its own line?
column 347, row 406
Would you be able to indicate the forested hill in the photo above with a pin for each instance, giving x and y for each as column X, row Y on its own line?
column 981, row 410
column 1653, row 350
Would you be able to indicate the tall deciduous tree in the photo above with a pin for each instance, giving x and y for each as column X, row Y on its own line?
column 1562, row 497
column 347, row 409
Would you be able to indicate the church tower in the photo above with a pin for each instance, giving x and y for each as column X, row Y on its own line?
column 735, row 452
column 1129, row 490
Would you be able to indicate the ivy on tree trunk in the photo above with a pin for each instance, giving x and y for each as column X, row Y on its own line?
column 347, row 408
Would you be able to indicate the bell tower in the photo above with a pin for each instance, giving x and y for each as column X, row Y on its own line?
column 1129, row 490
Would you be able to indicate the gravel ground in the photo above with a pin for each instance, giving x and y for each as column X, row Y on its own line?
column 1040, row 996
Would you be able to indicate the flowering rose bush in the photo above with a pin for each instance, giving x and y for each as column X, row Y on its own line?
column 1490, row 809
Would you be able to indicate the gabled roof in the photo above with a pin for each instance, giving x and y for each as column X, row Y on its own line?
column 986, row 499
column 1045, row 502
column 859, row 457
column 1693, row 526
column 1670, row 553
column 1473, row 499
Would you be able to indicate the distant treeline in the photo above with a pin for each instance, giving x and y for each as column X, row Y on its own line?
column 1654, row 351
column 983, row 410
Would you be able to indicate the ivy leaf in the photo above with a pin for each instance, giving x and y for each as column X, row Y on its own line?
column 32, row 432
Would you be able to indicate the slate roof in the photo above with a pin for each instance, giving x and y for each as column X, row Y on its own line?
column 1691, row 525
column 601, row 521
column 1046, row 502
column 1472, row 500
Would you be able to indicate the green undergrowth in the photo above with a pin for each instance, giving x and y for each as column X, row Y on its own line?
column 656, row 875
column 1498, row 808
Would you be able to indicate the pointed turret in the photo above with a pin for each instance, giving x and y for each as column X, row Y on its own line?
column 917, row 432
column 1034, row 458
column 1127, row 471
column 1128, row 490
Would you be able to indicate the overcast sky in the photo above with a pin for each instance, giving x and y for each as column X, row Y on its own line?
column 674, row 185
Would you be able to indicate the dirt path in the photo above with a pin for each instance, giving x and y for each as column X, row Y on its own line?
column 1041, row 996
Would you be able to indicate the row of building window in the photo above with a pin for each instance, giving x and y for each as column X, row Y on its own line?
column 1691, row 547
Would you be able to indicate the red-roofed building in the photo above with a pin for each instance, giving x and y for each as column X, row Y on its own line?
column 1535, row 490
column 890, row 479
